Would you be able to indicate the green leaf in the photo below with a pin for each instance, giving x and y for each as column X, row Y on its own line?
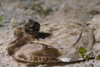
column 82, row 51
column 86, row 57
column 48, row 11
column 1, row 18
column 97, row 56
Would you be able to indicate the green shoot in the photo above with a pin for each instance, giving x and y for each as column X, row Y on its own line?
column 1, row 18
column 39, row 9
column 97, row 56
column 47, row 11
column 82, row 51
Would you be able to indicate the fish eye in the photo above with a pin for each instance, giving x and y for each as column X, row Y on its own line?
column 29, row 27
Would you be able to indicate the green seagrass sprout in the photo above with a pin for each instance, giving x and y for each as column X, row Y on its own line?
column 97, row 56
column 1, row 18
column 82, row 51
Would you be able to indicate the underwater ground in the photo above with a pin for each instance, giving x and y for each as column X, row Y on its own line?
column 65, row 20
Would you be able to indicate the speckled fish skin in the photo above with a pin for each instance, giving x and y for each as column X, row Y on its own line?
column 24, row 37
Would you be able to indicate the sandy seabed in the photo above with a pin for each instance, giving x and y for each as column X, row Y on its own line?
column 64, row 23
